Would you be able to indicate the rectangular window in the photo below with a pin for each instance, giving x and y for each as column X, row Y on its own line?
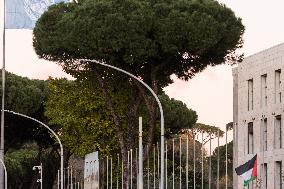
column 277, row 86
column 250, row 138
column 250, row 94
column 264, row 135
column 278, row 133
column 264, row 90
column 278, row 175
column 265, row 175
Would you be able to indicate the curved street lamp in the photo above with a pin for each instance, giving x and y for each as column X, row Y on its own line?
column 160, row 107
column 56, row 136
column 3, row 164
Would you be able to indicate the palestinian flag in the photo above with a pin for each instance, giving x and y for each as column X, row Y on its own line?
column 248, row 171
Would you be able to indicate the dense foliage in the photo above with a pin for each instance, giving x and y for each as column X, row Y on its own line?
column 20, row 162
column 26, row 142
column 86, row 126
column 25, row 96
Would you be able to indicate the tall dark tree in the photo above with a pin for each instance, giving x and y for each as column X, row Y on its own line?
column 151, row 39
column 27, row 96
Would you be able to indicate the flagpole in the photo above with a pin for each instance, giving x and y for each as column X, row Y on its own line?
column 218, row 161
column 226, row 176
column 3, row 95
column 194, row 169
column 202, row 145
column 210, row 169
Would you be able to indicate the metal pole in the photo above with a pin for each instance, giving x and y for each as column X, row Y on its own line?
column 166, row 166
column 110, row 172
column 148, row 168
column 118, row 162
column 64, row 177
column 140, row 177
column 173, row 163
column 154, row 167
column 122, row 168
column 41, row 179
column 3, row 94
column 58, row 179
column 186, row 161
column 75, row 179
column 71, row 177
column 209, row 183
column 128, row 158
column 68, row 180
column 202, row 176
column 107, row 172
column 226, row 157
column 161, row 113
column 179, row 162
column 4, row 167
column 194, row 162
column 158, row 174
column 131, row 169
column 56, row 136
column 218, row 161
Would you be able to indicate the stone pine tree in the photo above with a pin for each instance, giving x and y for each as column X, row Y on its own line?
column 153, row 39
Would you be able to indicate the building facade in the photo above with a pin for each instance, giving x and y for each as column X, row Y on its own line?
column 258, row 110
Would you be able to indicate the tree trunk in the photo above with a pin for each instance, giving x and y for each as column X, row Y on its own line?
column 117, row 123
column 151, row 107
column 133, row 118
column 138, row 94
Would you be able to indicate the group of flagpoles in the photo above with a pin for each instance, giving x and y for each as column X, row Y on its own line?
column 152, row 173
column 72, row 182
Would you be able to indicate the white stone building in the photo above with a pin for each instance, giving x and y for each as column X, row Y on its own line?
column 258, row 116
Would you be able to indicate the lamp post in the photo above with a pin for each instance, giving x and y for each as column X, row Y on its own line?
column 39, row 169
column 160, row 107
column 3, row 164
column 56, row 136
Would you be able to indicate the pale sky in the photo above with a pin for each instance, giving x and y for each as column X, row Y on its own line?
column 210, row 92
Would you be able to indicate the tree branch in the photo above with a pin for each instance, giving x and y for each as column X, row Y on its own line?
column 111, row 107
